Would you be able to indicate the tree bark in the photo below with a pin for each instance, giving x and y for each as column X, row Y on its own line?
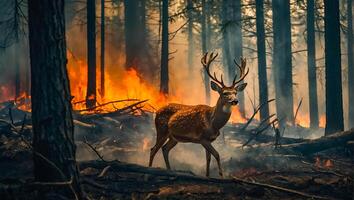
column 51, row 107
column 164, row 49
column 262, row 60
column 311, row 64
column 237, row 45
column 226, row 41
column 91, row 54
column 102, row 47
column 204, row 49
column 334, row 104
column 350, row 63
column 282, row 63
column 190, row 37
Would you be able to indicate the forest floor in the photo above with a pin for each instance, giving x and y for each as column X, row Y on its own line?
column 112, row 154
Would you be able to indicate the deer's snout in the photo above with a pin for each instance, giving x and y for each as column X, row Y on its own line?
column 234, row 102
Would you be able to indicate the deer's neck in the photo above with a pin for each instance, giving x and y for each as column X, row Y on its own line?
column 221, row 114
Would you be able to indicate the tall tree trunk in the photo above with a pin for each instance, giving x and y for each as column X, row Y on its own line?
column 226, row 41
column 102, row 47
column 53, row 130
column 237, row 47
column 16, row 49
column 17, row 82
column 350, row 63
column 311, row 63
column 204, row 49
column 262, row 60
column 164, row 49
column 334, row 104
column 131, row 20
column 91, row 54
column 282, row 61
column 190, row 37
column 136, row 45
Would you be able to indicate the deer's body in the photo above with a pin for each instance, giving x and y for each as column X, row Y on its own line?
column 197, row 124
column 184, row 123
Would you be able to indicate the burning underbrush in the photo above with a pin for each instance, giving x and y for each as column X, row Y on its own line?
column 254, row 167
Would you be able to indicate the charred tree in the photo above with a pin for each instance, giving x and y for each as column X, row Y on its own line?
column 205, row 48
column 130, row 24
column 334, row 104
column 53, row 139
column 136, row 44
column 282, row 61
column 350, row 63
column 262, row 60
column 91, row 54
column 17, row 70
column 237, row 44
column 16, row 49
column 190, row 36
column 164, row 49
column 102, row 47
column 311, row 63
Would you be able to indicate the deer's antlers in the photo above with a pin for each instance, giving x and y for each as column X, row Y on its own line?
column 206, row 61
column 243, row 72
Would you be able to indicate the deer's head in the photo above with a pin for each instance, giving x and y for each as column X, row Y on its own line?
column 228, row 94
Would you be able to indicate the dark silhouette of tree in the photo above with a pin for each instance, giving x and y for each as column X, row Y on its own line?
column 53, row 139
column 164, row 49
column 204, row 16
column 102, row 47
column 350, row 63
column 137, row 49
column 334, row 104
column 131, row 19
column 91, row 54
column 190, row 18
column 282, row 61
column 262, row 59
column 311, row 63
column 237, row 45
column 226, row 41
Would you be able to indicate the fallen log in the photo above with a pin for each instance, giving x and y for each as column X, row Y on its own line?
column 262, row 138
column 326, row 142
column 308, row 147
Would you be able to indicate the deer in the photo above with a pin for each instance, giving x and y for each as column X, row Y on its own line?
column 199, row 124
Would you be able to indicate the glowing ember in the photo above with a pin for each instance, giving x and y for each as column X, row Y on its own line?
column 328, row 163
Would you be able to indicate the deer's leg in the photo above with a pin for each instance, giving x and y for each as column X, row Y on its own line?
column 166, row 150
column 207, row 145
column 159, row 142
column 208, row 157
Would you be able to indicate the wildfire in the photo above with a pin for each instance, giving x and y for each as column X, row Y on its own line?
column 236, row 116
column 304, row 120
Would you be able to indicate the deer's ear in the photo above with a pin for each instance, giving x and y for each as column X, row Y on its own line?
column 215, row 86
column 241, row 87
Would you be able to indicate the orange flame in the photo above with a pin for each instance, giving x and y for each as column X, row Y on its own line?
column 328, row 163
column 304, row 120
